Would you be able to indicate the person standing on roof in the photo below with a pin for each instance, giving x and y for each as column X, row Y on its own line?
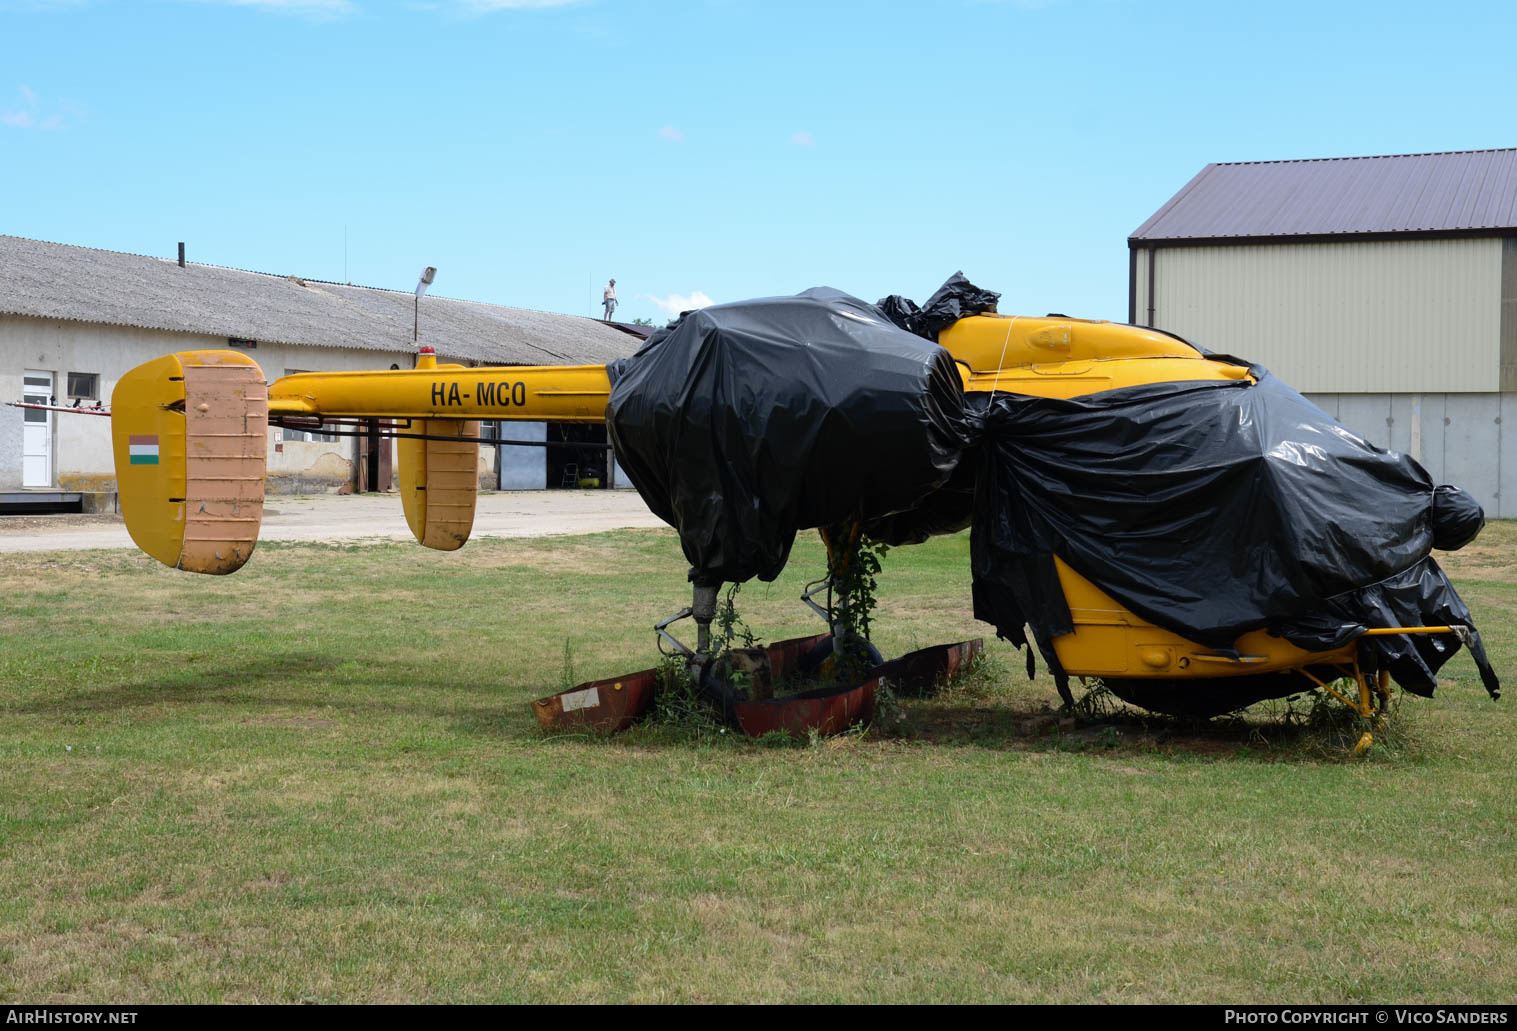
column 608, row 299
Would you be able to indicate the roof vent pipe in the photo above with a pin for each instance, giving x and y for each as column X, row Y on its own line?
column 181, row 254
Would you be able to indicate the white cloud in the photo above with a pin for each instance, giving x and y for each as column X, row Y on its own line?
column 486, row 6
column 676, row 303
column 802, row 139
column 671, row 134
column 30, row 114
column 315, row 10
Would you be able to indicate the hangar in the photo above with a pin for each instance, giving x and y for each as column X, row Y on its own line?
column 1383, row 288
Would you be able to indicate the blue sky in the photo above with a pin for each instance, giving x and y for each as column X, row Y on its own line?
column 724, row 148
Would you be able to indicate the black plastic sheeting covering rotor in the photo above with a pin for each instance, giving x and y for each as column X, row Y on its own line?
column 1212, row 509
column 744, row 423
column 952, row 301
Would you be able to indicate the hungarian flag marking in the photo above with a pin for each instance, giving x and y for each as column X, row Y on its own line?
column 144, row 448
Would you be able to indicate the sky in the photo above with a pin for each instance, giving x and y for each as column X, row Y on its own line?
column 702, row 150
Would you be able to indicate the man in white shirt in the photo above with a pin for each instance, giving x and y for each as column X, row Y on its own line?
column 608, row 299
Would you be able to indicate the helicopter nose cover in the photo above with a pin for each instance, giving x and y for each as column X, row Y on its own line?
column 1213, row 509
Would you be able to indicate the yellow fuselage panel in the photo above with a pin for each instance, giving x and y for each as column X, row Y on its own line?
column 1092, row 376
column 1109, row 640
column 989, row 342
column 1067, row 358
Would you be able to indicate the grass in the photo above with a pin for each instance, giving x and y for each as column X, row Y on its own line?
column 320, row 780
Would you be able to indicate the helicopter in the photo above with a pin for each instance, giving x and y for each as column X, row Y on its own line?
column 189, row 435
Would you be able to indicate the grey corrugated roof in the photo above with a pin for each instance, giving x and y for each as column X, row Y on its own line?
column 58, row 281
column 1457, row 191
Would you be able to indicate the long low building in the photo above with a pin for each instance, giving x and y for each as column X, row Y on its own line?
column 74, row 319
column 1383, row 288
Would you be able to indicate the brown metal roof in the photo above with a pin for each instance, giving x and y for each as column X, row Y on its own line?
column 1467, row 191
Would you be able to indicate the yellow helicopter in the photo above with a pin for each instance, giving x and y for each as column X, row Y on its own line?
column 189, row 435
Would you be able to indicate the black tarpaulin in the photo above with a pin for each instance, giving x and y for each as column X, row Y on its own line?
column 744, row 423
column 1212, row 509
column 1419, row 596
column 948, row 509
column 1209, row 508
column 1457, row 518
column 954, row 300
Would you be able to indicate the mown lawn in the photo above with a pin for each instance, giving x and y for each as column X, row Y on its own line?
column 320, row 779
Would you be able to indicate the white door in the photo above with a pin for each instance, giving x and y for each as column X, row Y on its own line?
column 37, row 431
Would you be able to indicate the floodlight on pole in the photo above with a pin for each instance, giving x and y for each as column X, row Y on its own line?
column 427, row 275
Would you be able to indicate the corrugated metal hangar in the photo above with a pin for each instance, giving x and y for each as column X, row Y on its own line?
column 1383, row 288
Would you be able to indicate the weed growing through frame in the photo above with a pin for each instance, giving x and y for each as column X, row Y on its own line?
column 889, row 714
column 730, row 627
column 1319, row 726
column 1309, row 725
column 1098, row 704
column 855, row 570
column 677, row 704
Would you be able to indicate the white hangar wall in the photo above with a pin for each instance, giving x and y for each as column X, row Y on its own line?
column 1354, row 317
column 1465, row 439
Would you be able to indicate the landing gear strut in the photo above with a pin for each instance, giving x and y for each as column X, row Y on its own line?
column 703, row 609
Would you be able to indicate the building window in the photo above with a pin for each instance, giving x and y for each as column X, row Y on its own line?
column 84, row 384
column 308, row 435
column 241, row 344
column 34, row 391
